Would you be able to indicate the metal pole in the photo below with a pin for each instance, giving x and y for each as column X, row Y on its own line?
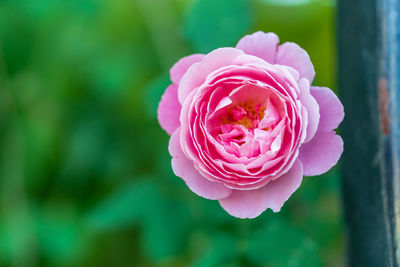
column 369, row 83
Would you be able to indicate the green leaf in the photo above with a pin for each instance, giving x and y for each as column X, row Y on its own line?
column 127, row 205
column 165, row 222
column 220, row 251
column 216, row 23
column 60, row 235
column 17, row 236
column 166, row 230
column 278, row 243
column 86, row 150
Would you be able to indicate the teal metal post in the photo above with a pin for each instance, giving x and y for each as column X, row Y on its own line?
column 369, row 84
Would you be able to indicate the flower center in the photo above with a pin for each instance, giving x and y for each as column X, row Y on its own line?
column 247, row 114
column 248, row 122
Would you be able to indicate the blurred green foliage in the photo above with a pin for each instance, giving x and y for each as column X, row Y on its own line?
column 85, row 176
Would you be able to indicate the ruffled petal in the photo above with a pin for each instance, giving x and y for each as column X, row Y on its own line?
column 311, row 105
column 290, row 54
column 180, row 67
column 184, row 169
column 198, row 72
column 321, row 153
column 260, row 44
column 251, row 203
column 169, row 110
column 330, row 108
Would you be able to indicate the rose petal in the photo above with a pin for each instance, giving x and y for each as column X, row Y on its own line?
column 180, row 67
column 290, row 54
column 198, row 72
column 260, row 44
column 251, row 203
column 330, row 108
column 169, row 110
column 184, row 169
column 313, row 115
column 321, row 153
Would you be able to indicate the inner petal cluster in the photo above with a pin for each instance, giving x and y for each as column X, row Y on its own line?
column 243, row 125
column 248, row 122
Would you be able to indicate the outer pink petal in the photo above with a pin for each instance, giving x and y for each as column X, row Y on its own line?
column 260, row 44
column 180, row 67
column 290, row 54
column 330, row 108
column 184, row 168
column 321, row 153
column 169, row 109
column 198, row 72
column 311, row 105
column 251, row 203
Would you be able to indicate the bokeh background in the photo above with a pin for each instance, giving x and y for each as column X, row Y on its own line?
column 85, row 176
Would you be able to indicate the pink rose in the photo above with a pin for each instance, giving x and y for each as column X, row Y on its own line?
column 246, row 124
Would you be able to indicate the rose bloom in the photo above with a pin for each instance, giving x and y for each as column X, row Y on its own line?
column 246, row 124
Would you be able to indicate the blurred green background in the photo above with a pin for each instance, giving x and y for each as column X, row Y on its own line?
column 85, row 176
